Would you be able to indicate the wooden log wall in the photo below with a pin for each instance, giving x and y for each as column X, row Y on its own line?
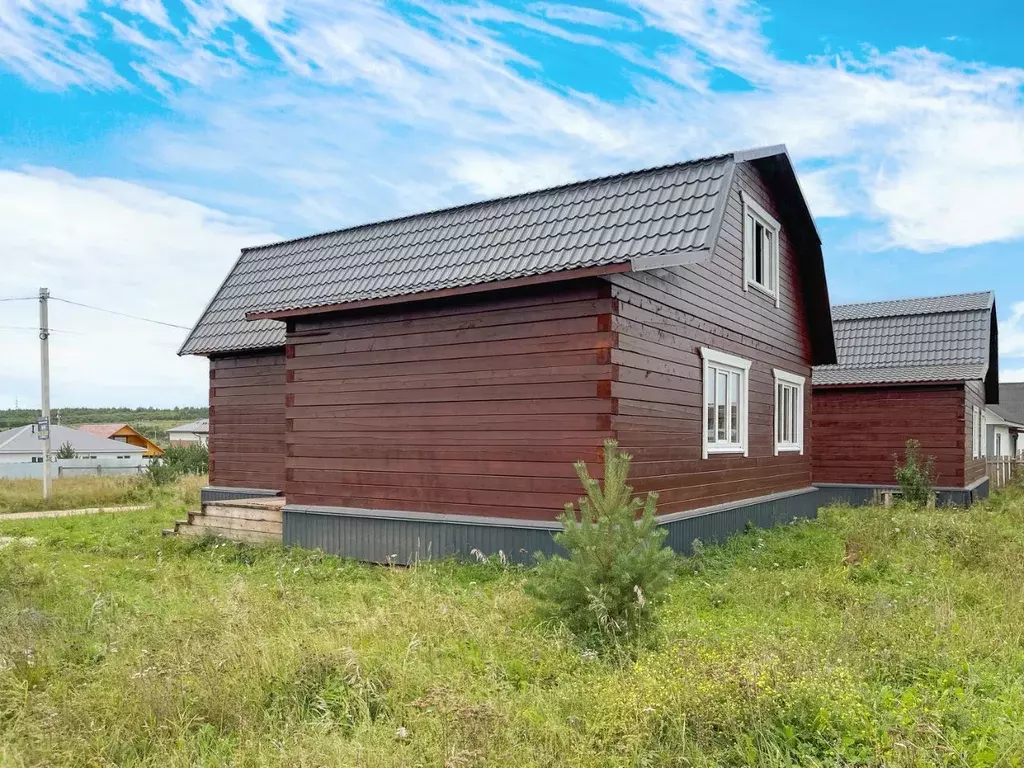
column 662, row 319
column 476, row 405
column 858, row 431
column 247, row 426
column 974, row 397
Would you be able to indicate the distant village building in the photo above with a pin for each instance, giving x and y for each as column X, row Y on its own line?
column 193, row 433
column 21, row 453
column 123, row 433
column 1005, row 421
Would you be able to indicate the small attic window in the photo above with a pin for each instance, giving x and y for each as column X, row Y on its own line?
column 760, row 249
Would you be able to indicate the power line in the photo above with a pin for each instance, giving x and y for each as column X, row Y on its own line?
column 121, row 314
column 36, row 330
column 21, row 298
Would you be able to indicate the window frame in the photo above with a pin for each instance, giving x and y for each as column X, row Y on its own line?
column 797, row 382
column 713, row 359
column 976, row 433
column 752, row 210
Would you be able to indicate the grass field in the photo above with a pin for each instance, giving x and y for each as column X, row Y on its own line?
column 84, row 492
column 870, row 637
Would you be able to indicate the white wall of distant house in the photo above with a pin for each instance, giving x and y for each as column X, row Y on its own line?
column 179, row 439
column 23, row 467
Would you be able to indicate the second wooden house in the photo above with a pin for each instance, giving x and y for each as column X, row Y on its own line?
column 921, row 369
column 422, row 386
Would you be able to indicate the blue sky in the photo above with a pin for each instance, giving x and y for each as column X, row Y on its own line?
column 143, row 142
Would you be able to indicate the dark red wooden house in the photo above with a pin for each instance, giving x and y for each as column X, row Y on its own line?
column 920, row 369
column 422, row 386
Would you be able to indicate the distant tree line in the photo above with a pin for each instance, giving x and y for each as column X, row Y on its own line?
column 72, row 417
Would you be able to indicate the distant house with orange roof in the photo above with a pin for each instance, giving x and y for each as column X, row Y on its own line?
column 124, row 434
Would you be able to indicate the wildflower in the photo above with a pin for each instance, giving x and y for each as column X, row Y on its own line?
column 402, row 733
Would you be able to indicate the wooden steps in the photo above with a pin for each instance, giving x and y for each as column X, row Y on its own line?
column 238, row 519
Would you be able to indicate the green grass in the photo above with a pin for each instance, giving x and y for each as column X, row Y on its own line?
column 84, row 492
column 119, row 647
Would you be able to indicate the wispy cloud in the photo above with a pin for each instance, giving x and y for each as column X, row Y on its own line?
column 364, row 92
column 121, row 246
column 313, row 114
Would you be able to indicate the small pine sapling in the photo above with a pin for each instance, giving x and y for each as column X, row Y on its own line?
column 617, row 569
column 66, row 451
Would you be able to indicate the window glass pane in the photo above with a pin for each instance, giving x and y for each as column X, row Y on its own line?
column 769, row 262
column 734, row 409
column 748, row 246
column 722, row 385
column 759, row 254
column 797, row 414
column 785, row 414
column 709, row 402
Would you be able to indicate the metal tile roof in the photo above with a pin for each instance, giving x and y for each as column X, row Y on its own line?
column 926, row 305
column 942, row 338
column 620, row 219
column 1011, row 401
column 200, row 426
column 25, row 440
column 101, row 430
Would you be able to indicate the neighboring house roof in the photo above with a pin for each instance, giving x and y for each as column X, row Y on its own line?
column 126, row 430
column 1011, row 402
column 25, row 440
column 664, row 216
column 201, row 426
column 101, row 430
column 939, row 338
column 1003, row 416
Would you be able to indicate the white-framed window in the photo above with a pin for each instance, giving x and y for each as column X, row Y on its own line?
column 983, row 436
column 760, row 249
column 978, row 433
column 999, row 444
column 726, row 413
column 789, row 412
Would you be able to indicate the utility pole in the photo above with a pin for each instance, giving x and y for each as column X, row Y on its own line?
column 44, row 369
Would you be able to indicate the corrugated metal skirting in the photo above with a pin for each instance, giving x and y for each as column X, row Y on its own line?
column 403, row 538
column 212, row 493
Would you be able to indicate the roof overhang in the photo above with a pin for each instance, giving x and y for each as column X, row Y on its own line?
column 444, row 293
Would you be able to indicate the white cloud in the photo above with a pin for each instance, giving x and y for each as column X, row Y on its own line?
column 117, row 245
column 913, row 131
column 1012, row 375
column 1011, row 332
column 576, row 14
column 314, row 114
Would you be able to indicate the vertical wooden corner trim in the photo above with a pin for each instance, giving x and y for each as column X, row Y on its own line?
column 604, row 322
column 213, row 392
column 289, row 424
column 289, row 351
column 604, row 389
column 211, row 418
column 289, row 400
column 213, row 373
column 604, row 356
column 289, row 376
column 289, row 475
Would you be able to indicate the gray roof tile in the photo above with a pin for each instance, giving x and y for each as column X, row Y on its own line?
column 25, row 440
column 1011, row 401
column 612, row 220
column 942, row 338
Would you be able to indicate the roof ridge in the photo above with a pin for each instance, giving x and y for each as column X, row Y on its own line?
column 744, row 154
column 908, row 299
